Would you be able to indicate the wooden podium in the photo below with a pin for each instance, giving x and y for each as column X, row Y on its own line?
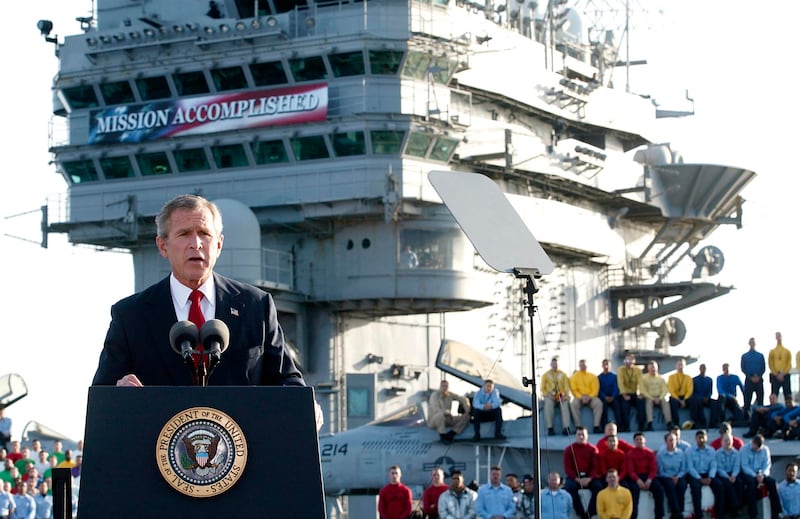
column 234, row 452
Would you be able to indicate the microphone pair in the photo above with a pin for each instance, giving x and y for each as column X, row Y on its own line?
column 213, row 335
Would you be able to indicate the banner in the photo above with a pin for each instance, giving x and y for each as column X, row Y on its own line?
column 209, row 114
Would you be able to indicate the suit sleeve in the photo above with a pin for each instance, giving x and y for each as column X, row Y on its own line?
column 279, row 368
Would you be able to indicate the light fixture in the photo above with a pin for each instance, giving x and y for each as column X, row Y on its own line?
column 150, row 33
column 374, row 359
column 272, row 21
column 240, row 26
column 397, row 370
column 310, row 22
column 177, row 28
column 224, row 28
column 209, row 30
column 256, row 23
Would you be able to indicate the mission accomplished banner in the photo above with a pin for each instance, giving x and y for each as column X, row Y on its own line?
column 209, row 114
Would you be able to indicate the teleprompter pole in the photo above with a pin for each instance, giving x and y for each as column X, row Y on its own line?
column 530, row 290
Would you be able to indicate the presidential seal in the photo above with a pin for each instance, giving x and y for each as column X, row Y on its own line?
column 201, row 452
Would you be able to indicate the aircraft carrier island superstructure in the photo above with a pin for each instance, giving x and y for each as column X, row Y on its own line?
column 314, row 124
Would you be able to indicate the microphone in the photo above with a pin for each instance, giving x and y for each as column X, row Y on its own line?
column 183, row 336
column 214, row 335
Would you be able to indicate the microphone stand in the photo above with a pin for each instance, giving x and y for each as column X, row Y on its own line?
column 530, row 289
column 201, row 377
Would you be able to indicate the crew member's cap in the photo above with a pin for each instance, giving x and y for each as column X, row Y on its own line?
column 527, row 477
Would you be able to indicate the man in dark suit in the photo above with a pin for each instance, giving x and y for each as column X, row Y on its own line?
column 137, row 348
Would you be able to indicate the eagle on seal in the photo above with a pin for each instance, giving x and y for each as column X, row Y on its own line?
column 202, row 454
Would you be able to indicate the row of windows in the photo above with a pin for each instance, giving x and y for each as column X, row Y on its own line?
column 255, row 75
column 261, row 153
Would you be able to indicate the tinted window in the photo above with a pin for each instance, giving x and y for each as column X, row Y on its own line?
column 418, row 144
column 269, row 152
column 153, row 88
column 228, row 78
column 347, row 64
column 116, row 167
column 118, row 92
column 308, row 69
column 191, row 160
column 80, row 171
column 348, row 143
column 80, row 97
column 386, row 141
column 153, row 163
column 191, row 83
column 266, row 74
column 385, row 61
column 308, row 148
column 229, row 156
column 443, row 149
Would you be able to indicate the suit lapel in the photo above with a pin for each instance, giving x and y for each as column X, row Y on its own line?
column 164, row 317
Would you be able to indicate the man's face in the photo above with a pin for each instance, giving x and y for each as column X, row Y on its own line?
column 752, row 343
column 605, row 366
column 582, row 365
column 553, row 481
column 700, row 440
column 554, row 365
column 778, row 336
column 652, row 368
column 495, row 476
column 612, row 443
column 724, row 369
column 512, row 482
column 488, row 387
column 580, row 436
column 611, row 429
column 444, row 386
column 726, row 441
column 639, row 441
column 192, row 246
column 670, row 441
column 702, row 370
column 394, row 475
column 791, row 473
column 628, row 361
column 679, row 366
column 613, row 479
column 527, row 486
column 456, row 481
column 437, row 477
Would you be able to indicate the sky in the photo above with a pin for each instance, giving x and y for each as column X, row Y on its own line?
column 734, row 57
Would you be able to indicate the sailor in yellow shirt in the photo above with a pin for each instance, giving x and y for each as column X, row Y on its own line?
column 585, row 387
column 629, row 377
column 780, row 363
column 555, row 390
column 654, row 391
column 681, row 388
column 614, row 501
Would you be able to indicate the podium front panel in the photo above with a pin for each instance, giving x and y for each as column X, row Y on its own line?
column 121, row 478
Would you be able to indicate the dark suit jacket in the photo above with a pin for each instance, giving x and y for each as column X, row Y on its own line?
column 138, row 340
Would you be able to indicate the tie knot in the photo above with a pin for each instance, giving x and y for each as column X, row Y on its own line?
column 196, row 296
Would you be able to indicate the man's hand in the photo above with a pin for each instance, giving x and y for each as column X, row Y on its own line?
column 318, row 416
column 705, row 481
column 130, row 380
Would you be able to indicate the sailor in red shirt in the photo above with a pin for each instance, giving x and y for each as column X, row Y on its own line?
column 612, row 457
column 582, row 467
column 430, row 498
column 394, row 500
column 641, row 468
column 602, row 444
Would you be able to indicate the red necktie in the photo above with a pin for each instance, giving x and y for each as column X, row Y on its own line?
column 196, row 316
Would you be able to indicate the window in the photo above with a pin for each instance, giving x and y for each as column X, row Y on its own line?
column 443, row 149
column 229, row 156
column 385, row 61
column 386, row 142
column 311, row 68
column 347, row 64
column 116, row 167
column 417, row 65
column 358, row 402
column 118, row 92
column 268, row 74
column 418, row 144
column 228, row 78
column 153, row 164
column 80, row 171
column 436, row 249
column 269, row 152
column 80, row 97
column 153, row 88
column 191, row 160
column 191, row 83
column 309, row 148
column 348, row 143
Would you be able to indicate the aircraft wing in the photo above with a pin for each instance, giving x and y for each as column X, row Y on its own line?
column 12, row 388
column 466, row 363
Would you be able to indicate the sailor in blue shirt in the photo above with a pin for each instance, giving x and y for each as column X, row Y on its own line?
column 789, row 493
column 701, row 399
column 756, row 465
column 753, row 368
column 609, row 394
column 556, row 502
column 701, row 469
column 728, row 473
column 726, row 390
column 486, row 408
column 494, row 498
column 671, row 471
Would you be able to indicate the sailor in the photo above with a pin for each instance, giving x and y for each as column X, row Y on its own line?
column 440, row 412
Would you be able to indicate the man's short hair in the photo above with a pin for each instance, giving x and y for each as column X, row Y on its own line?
column 512, row 475
column 527, row 477
column 497, row 467
column 190, row 202
column 637, row 434
column 455, row 473
column 701, row 432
